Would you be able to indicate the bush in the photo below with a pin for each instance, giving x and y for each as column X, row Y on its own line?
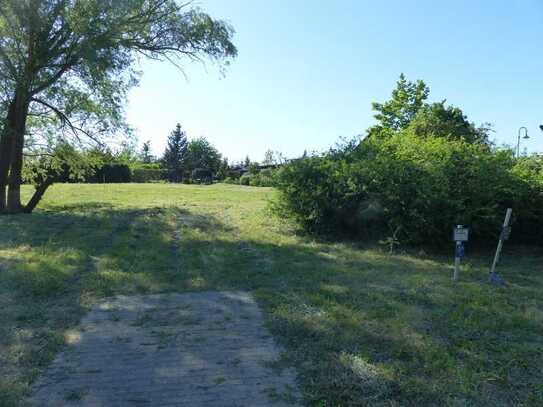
column 245, row 179
column 264, row 178
column 229, row 180
column 202, row 176
column 234, row 175
column 149, row 175
column 111, row 173
column 263, row 181
column 415, row 189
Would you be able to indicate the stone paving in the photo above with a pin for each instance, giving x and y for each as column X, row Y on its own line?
column 193, row 349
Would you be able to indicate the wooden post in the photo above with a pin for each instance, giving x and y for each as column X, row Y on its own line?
column 500, row 242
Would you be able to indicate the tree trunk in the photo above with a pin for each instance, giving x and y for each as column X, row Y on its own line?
column 16, row 128
column 3, row 191
column 6, row 138
column 36, row 198
column 15, row 176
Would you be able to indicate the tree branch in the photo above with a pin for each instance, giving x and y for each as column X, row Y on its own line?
column 66, row 121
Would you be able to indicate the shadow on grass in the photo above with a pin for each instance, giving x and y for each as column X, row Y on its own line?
column 361, row 328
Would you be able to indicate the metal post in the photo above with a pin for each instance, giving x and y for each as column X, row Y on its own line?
column 456, row 261
column 500, row 243
column 518, row 140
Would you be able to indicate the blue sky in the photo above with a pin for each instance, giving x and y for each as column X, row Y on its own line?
column 307, row 72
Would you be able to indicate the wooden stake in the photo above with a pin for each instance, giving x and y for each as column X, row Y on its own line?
column 500, row 242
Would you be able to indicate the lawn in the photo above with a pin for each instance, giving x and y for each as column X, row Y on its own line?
column 361, row 326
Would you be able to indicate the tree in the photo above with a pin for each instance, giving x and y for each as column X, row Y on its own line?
column 407, row 109
column 128, row 152
column 146, row 155
column 223, row 170
column 253, row 168
column 439, row 120
column 407, row 98
column 66, row 66
column 274, row 158
column 202, row 155
column 247, row 162
column 269, row 158
column 175, row 155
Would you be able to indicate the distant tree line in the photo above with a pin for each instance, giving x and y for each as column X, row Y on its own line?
column 183, row 161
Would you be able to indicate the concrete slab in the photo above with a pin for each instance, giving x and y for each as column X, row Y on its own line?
column 192, row 349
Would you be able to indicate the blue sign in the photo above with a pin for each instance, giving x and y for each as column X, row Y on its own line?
column 459, row 251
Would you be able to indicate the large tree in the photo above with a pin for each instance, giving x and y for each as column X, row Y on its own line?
column 201, row 154
column 406, row 100
column 175, row 155
column 441, row 120
column 65, row 67
column 407, row 109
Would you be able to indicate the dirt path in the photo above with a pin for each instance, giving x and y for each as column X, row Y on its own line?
column 194, row 349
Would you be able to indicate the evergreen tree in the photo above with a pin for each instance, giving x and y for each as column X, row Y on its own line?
column 176, row 153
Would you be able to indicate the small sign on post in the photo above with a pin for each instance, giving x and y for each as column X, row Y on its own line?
column 460, row 235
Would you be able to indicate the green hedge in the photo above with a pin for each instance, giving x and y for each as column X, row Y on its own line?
column 264, row 178
column 415, row 189
column 111, row 173
column 149, row 175
column 245, row 179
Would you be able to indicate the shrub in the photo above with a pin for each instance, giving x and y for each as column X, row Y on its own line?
column 229, row 180
column 202, row 176
column 233, row 174
column 264, row 178
column 245, row 179
column 149, row 175
column 111, row 173
column 415, row 189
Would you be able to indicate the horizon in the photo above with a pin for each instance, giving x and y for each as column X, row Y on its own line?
column 286, row 94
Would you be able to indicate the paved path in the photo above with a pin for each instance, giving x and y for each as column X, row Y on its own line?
column 194, row 349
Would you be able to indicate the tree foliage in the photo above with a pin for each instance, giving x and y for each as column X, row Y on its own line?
column 201, row 154
column 414, row 190
column 406, row 100
column 438, row 119
column 146, row 156
column 407, row 108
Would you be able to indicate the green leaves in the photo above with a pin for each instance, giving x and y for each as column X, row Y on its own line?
column 414, row 190
column 407, row 109
column 407, row 98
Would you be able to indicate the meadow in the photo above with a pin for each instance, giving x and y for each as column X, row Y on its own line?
column 360, row 325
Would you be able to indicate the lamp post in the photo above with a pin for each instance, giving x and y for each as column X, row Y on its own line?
column 525, row 138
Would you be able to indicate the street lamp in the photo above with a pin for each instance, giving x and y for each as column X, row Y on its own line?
column 525, row 137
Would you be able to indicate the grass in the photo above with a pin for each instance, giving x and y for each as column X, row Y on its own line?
column 362, row 327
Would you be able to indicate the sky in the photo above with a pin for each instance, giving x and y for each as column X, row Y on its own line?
column 308, row 71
